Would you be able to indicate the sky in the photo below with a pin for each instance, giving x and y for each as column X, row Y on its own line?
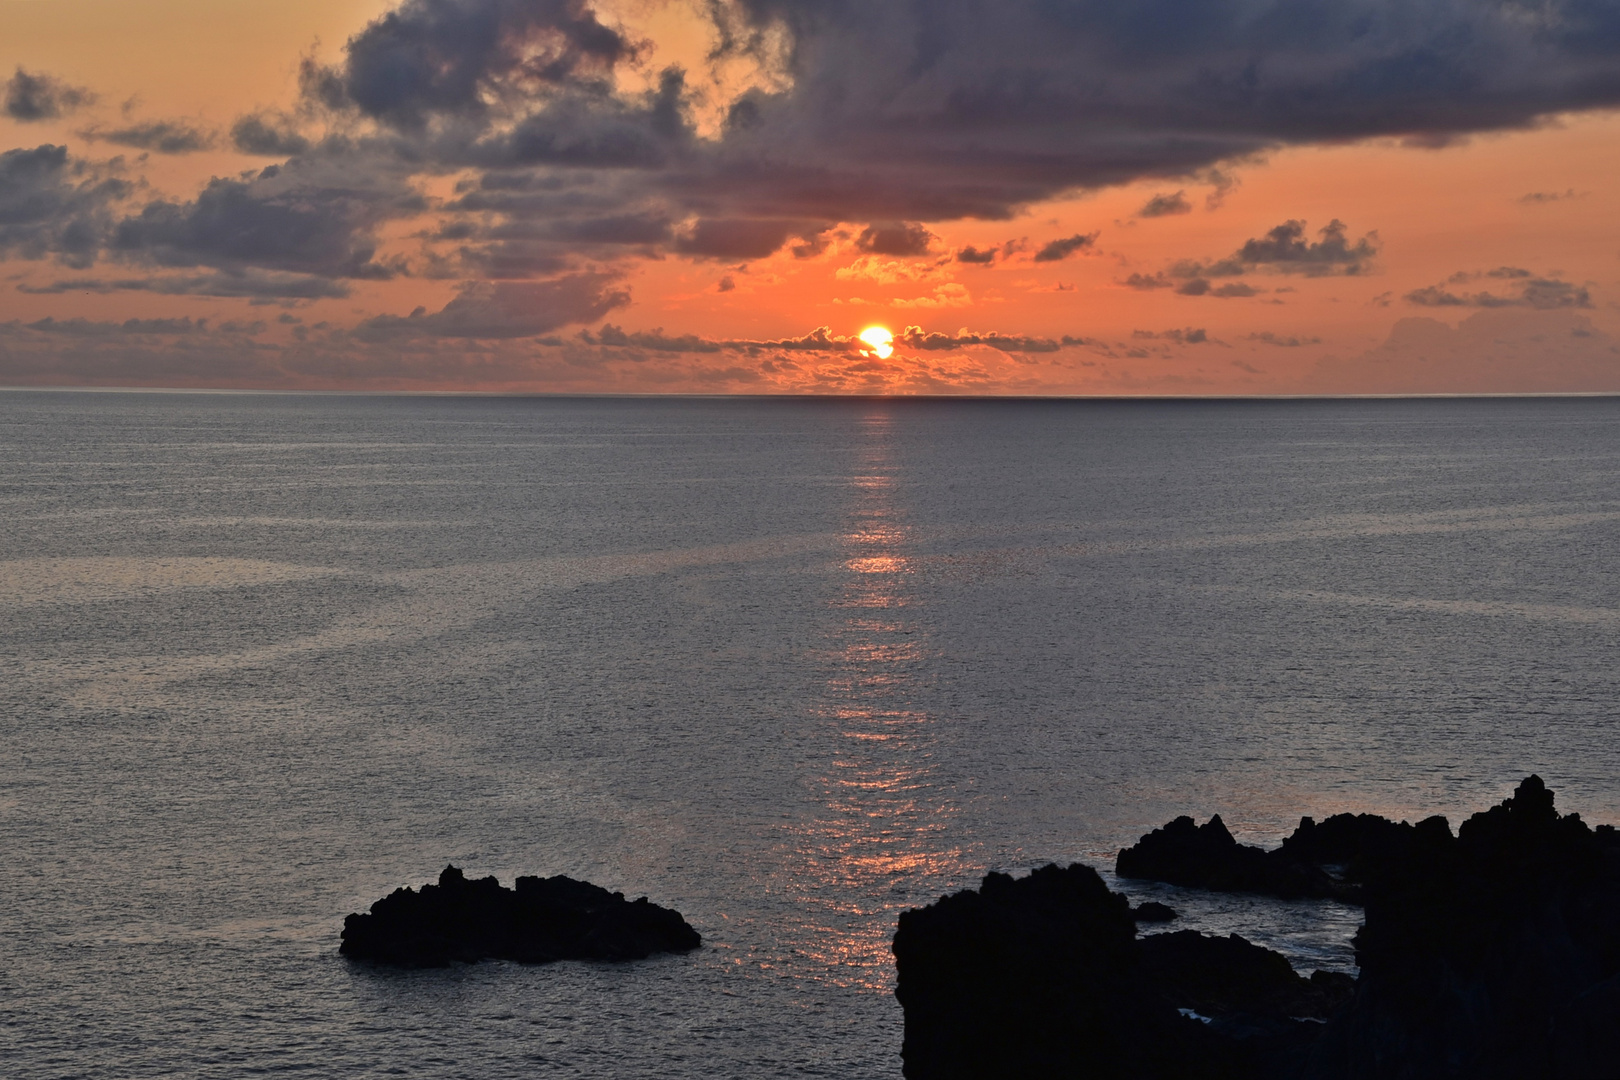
column 1043, row 197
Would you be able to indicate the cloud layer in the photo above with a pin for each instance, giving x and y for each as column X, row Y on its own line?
column 528, row 155
column 890, row 115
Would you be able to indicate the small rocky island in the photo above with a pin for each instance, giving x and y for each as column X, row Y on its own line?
column 536, row 922
column 1494, row 952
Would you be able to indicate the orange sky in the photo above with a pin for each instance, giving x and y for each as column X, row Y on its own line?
column 1538, row 201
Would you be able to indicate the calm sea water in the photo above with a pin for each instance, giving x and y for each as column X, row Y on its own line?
column 788, row 666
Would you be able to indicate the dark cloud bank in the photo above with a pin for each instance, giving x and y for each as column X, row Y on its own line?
column 887, row 115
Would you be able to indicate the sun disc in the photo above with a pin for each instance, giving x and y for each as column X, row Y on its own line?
column 880, row 341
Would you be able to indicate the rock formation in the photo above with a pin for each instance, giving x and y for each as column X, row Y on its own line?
column 1493, row 953
column 1153, row 911
column 1044, row 976
column 536, row 922
column 1207, row 857
column 1231, row 977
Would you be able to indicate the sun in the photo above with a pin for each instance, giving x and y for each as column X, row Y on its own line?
column 879, row 339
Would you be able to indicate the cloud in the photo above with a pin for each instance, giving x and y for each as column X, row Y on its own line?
column 902, row 239
column 254, row 285
column 289, row 354
column 91, row 328
column 653, row 340
column 974, row 256
column 1523, row 290
column 1162, row 205
column 436, row 58
column 737, row 238
column 823, row 340
column 1189, row 336
column 915, row 337
column 1266, row 337
column 1222, row 182
column 267, row 135
column 1496, row 351
column 295, row 218
column 159, row 136
column 985, row 106
column 508, row 309
column 1058, row 250
column 1509, row 272
column 1541, row 198
column 571, row 154
column 1285, row 249
column 890, row 271
column 949, row 295
column 813, row 243
column 1194, row 285
column 588, row 127
column 52, row 204
column 34, row 97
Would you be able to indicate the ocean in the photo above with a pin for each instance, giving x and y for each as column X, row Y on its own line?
column 788, row 666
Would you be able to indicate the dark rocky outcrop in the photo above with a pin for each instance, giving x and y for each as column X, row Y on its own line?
column 1491, row 953
column 536, row 922
column 1228, row 977
column 1152, row 911
column 1207, row 857
column 1044, row 976
column 1354, row 844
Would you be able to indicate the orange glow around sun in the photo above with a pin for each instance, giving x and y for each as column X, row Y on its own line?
column 879, row 339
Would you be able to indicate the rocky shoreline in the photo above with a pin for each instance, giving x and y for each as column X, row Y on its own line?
column 1494, row 952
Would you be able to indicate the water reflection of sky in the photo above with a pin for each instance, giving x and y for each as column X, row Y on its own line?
column 885, row 828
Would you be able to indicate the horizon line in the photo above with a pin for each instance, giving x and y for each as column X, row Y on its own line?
column 654, row 396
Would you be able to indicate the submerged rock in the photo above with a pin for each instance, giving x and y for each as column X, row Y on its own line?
column 536, row 922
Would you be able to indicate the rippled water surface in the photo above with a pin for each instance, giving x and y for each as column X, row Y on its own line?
column 790, row 667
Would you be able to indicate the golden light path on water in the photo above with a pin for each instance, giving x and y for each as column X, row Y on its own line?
column 886, row 822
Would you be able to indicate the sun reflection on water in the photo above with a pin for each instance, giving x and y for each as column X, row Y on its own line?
column 885, row 836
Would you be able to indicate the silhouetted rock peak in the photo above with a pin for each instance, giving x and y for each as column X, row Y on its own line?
column 537, row 921
column 1214, row 831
